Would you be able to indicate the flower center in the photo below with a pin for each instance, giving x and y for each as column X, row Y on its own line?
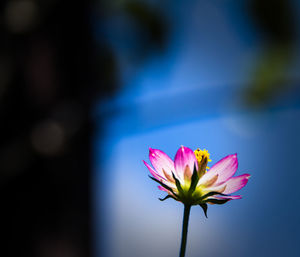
column 201, row 154
column 202, row 157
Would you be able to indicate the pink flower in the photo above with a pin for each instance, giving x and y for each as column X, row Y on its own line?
column 190, row 181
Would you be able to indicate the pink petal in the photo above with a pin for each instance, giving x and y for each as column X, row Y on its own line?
column 187, row 173
column 230, row 197
column 166, row 190
column 184, row 157
column 160, row 178
column 160, row 161
column 225, row 168
column 219, row 188
column 236, row 183
column 163, row 189
column 153, row 172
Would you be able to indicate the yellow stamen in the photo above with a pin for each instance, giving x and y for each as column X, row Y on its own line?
column 202, row 154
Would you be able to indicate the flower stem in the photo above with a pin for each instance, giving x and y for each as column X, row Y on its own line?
column 185, row 224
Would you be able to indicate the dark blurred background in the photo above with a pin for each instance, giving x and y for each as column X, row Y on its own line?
column 87, row 86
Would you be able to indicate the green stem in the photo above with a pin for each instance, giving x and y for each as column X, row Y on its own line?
column 185, row 224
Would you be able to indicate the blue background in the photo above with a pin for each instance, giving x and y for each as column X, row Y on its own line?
column 192, row 95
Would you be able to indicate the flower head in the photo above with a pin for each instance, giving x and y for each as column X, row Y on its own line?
column 190, row 181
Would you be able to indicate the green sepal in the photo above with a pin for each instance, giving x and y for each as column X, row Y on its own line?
column 194, row 180
column 211, row 194
column 178, row 185
column 167, row 197
column 217, row 201
column 204, row 207
column 163, row 185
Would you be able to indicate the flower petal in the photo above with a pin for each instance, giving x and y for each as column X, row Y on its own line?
column 165, row 190
column 228, row 198
column 220, row 188
column 236, row 183
column 225, row 168
column 187, row 173
column 231, row 197
column 160, row 161
column 153, row 172
column 168, row 183
column 184, row 157
column 211, row 181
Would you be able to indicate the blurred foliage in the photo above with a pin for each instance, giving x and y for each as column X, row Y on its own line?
column 270, row 75
column 150, row 21
column 131, row 32
column 275, row 19
column 276, row 22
